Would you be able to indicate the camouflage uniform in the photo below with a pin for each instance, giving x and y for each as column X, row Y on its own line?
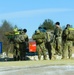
column 67, row 45
column 58, row 40
column 48, row 43
column 67, row 49
column 47, row 40
column 40, row 37
column 23, row 40
column 16, row 52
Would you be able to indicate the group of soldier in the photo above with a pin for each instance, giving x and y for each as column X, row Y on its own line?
column 57, row 44
column 54, row 44
column 19, row 39
column 20, row 44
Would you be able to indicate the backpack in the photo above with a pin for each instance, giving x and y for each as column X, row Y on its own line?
column 68, row 34
column 39, row 37
column 19, row 39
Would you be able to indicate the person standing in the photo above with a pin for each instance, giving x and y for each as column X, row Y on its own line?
column 58, row 39
column 67, row 44
column 23, row 41
column 16, row 52
column 39, row 37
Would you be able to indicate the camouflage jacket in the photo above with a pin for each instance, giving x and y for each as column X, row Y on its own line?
column 40, row 37
column 58, row 32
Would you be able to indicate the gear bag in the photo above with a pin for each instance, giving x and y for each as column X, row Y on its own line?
column 68, row 34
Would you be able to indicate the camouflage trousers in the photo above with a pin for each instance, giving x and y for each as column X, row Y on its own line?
column 16, row 52
column 41, row 50
column 49, row 48
column 67, row 49
column 58, row 46
column 22, row 47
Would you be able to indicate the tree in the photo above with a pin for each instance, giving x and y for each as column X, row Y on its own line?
column 5, row 27
column 48, row 24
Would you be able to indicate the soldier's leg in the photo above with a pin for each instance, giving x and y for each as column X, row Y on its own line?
column 20, row 48
column 49, row 49
column 44, row 50
column 39, row 52
column 65, row 51
column 14, row 53
column 24, row 51
column 52, row 53
column 59, row 45
column 59, row 50
column 70, row 50
column 17, row 52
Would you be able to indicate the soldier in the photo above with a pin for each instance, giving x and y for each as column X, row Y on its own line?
column 40, row 37
column 47, row 39
column 16, row 52
column 23, row 41
column 58, row 39
column 67, row 44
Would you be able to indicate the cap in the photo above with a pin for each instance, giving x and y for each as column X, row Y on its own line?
column 25, row 30
column 57, row 23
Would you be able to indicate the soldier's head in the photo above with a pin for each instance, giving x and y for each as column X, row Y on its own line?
column 57, row 24
column 25, row 30
column 39, row 27
column 37, row 31
column 68, row 26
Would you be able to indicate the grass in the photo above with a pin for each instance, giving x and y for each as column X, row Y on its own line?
column 37, row 63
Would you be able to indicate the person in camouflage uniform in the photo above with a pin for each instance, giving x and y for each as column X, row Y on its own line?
column 47, row 34
column 16, row 52
column 67, row 44
column 39, row 37
column 58, row 39
column 23, row 42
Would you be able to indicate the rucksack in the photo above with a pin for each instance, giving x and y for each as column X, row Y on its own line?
column 68, row 34
column 19, row 39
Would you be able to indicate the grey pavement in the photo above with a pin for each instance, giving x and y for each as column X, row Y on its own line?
column 38, row 70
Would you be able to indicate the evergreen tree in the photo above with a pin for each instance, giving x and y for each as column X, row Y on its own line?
column 48, row 24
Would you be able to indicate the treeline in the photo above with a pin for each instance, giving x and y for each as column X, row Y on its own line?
column 7, row 27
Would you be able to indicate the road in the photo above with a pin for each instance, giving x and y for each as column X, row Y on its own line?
column 47, row 67
column 39, row 70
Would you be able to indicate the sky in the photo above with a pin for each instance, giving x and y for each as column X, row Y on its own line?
column 30, row 14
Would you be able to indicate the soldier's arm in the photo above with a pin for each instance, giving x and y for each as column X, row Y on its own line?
column 27, row 39
column 60, row 32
